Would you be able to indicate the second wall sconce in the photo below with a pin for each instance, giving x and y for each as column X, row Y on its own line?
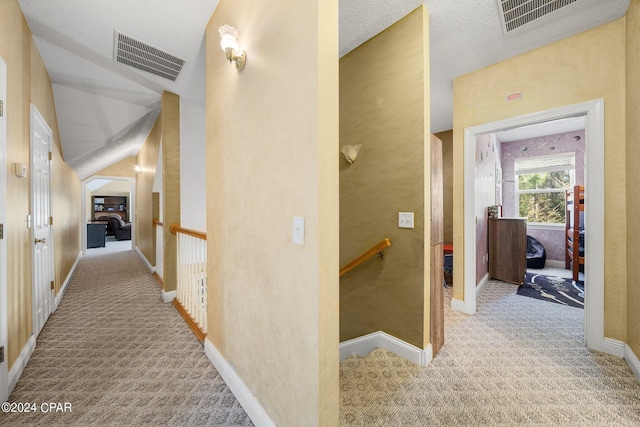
column 230, row 46
column 351, row 152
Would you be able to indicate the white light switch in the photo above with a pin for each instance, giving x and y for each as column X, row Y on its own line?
column 298, row 230
column 405, row 219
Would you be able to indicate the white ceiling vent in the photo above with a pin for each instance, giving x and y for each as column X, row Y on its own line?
column 140, row 55
column 516, row 13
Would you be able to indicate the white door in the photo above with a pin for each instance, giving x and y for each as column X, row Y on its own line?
column 4, row 381
column 41, row 137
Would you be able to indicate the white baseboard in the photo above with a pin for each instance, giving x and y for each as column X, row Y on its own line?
column 461, row 306
column 249, row 402
column 554, row 264
column 613, row 347
column 480, row 286
column 364, row 345
column 21, row 363
column 632, row 360
column 168, row 296
column 150, row 267
column 63, row 289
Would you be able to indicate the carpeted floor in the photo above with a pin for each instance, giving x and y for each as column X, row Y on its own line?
column 121, row 357
column 516, row 362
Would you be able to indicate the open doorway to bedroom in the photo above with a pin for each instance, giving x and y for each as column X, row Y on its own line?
column 108, row 210
column 529, row 177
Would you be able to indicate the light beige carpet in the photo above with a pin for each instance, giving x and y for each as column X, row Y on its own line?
column 518, row 361
column 121, row 357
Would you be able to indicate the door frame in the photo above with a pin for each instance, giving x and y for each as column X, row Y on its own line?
column 593, row 111
column 4, row 318
column 36, row 115
column 132, row 207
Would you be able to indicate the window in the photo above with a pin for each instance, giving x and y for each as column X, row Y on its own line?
column 542, row 182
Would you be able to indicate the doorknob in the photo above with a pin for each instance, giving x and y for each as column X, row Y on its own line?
column 41, row 241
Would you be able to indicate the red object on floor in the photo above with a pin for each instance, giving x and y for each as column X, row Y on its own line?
column 448, row 248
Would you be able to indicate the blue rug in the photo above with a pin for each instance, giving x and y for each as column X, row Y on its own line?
column 555, row 289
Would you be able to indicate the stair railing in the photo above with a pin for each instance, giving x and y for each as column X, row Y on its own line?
column 375, row 250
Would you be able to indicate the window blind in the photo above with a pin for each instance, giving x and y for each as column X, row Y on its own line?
column 545, row 164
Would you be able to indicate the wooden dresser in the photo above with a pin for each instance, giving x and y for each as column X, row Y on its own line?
column 508, row 249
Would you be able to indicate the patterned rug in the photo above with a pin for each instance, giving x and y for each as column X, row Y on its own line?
column 554, row 289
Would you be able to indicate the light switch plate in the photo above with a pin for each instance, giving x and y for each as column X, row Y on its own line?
column 405, row 219
column 298, row 230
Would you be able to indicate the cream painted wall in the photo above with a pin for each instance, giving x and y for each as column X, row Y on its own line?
column 28, row 82
column 633, row 177
column 383, row 105
column 193, row 197
column 587, row 66
column 272, row 154
column 125, row 167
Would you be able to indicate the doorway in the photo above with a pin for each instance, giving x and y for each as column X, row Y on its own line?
column 593, row 111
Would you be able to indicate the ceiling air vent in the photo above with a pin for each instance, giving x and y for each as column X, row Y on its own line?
column 516, row 13
column 140, row 55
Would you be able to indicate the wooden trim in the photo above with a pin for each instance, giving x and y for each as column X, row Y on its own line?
column 158, row 279
column 377, row 249
column 175, row 228
column 189, row 320
column 156, row 221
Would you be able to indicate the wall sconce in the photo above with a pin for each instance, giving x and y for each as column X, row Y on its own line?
column 230, row 46
column 138, row 169
column 351, row 152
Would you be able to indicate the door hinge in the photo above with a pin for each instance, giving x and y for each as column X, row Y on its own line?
column 1, row 108
column 50, row 220
column 50, row 156
column 53, row 286
column 1, row 354
column 1, row 231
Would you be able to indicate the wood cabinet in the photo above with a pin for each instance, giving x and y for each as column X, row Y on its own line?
column 508, row 249
column 106, row 205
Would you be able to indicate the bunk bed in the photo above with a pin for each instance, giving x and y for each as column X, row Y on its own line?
column 574, row 236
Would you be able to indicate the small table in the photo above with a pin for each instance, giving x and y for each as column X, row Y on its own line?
column 96, row 232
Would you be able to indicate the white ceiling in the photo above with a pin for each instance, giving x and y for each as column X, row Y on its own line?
column 106, row 109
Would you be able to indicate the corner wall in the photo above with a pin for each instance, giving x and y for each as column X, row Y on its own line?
column 633, row 177
column 272, row 147
column 384, row 100
column 587, row 66
column 28, row 82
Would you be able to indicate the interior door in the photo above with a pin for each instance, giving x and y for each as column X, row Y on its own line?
column 41, row 137
column 4, row 371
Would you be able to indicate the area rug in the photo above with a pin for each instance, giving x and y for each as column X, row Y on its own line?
column 554, row 289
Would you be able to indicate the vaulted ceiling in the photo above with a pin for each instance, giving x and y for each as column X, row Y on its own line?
column 105, row 109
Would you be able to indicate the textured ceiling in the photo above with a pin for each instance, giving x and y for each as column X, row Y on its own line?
column 105, row 109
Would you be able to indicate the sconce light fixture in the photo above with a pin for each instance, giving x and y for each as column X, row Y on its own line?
column 138, row 169
column 351, row 152
column 230, row 46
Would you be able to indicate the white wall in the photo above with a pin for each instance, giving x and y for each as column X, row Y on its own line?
column 192, row 166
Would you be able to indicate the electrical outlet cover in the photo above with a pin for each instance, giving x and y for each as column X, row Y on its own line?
column 405, row 220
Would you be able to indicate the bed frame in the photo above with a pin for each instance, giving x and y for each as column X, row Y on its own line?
column 574, row 227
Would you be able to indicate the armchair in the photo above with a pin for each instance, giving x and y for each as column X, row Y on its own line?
column 121, row 229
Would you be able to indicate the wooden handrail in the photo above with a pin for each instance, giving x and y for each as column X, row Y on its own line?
column 156, row 221
column 377, row 249
column 175, row 228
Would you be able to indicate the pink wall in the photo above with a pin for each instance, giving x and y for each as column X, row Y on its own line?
column 487, row 157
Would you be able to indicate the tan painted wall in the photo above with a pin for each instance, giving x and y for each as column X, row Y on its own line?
column 170, row 119
column 125, row 167
column 272, row 147
column 587, row 66
column 147, row 158
column 633, row 177
column 447, row 183
column 382, row 107
column 29, row 82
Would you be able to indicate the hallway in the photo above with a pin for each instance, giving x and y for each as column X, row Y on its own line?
column 121, row 357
